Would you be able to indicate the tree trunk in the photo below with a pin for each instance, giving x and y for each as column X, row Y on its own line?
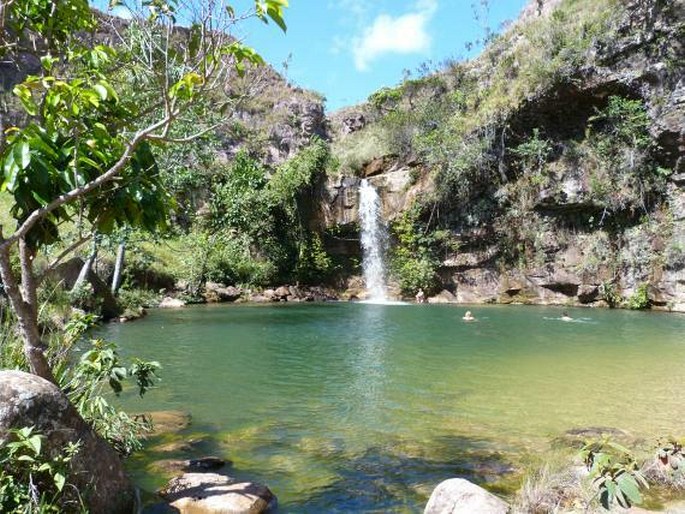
column 85, row 269
column 24, row 305
column 118, row 267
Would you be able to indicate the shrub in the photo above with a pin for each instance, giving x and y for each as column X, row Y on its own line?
column 30, row 480
column 413, row 262
column 614, row 473
column 639, row 300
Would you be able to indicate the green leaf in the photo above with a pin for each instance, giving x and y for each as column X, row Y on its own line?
column 35, row 442
column 60, row 480
column 629, row 487
column 276, row 14
column 101, row 91
column 22, row 154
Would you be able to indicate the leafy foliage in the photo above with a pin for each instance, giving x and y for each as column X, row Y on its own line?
column 639, row 300
column 257, row 228
column 614, row 473
column 30, row 480
column 98, row 370
column 413, row 261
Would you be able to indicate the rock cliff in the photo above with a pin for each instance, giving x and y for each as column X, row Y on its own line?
column 567, row 199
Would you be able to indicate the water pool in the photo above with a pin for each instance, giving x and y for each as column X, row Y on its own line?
column 365, row 408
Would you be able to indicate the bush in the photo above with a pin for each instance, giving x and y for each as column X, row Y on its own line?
column 413, row 262
column 30, row 480
column 639, row 300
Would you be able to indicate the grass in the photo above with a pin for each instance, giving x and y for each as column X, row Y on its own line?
column 6, row 221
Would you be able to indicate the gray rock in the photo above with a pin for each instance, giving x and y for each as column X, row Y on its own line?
column 200, row 493
column 171, row 303
column 96, row 470
column 443, row 296
column 459, row 496
column 215, row 292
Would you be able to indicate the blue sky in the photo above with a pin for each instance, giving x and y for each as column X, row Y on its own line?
column 347, row 49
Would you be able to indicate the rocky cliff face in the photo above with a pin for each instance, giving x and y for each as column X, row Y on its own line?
column 575, row 243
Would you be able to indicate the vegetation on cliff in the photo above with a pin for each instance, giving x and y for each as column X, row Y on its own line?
column 551, row 140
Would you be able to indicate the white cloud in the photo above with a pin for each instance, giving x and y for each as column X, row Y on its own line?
column 406, row 34
column 121, row 11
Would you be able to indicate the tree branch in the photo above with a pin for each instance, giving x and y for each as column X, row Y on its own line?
column 78, row 192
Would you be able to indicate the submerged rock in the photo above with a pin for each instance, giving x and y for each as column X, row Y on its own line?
column 200, row 493
column 459, row 496
column 166, row 421
column 96, row 470
column 199, row 465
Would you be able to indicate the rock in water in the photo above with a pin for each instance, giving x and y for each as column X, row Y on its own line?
column 211, row 493
column 459, row 496
column 96, row 470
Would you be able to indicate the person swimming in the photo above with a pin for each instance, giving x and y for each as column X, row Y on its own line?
column 468, row 316
column 566, row 317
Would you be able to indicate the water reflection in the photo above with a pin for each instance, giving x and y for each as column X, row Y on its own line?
column 368, row 366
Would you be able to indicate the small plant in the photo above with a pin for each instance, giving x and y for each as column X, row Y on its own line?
column 608, row 292
column 614, row 473
column 30, row 480
column 640, row 298
column 100, row 369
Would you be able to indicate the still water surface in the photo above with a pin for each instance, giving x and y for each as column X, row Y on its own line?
column 365, row 408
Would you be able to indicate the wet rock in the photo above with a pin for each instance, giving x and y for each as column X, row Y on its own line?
column 181, row 446
column 167, row 421
column 459, row 496
column 171, row 303
column 577, row 437
column 199, row 465
column 198, row 493
column 96, row 470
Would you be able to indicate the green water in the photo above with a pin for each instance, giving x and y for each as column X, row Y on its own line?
column 365, row 408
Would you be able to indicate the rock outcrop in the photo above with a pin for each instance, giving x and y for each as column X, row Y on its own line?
column 459, row 496
column 211, row 493
column 96, row 470
column 569, row 247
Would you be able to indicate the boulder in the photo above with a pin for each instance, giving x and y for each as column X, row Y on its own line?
column 216, row 292
column 96, row 470
column 443, row 296
column 281, row 293
column 459, row 496
column 200, row 493
column 171, row 303
column 588, row 293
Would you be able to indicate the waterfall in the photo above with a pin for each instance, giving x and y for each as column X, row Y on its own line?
column 374, row 241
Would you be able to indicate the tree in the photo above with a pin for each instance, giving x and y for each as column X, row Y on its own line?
column 94, row 115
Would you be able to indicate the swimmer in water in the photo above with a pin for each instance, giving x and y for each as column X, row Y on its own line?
column 566, row 317
column 468, row 316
